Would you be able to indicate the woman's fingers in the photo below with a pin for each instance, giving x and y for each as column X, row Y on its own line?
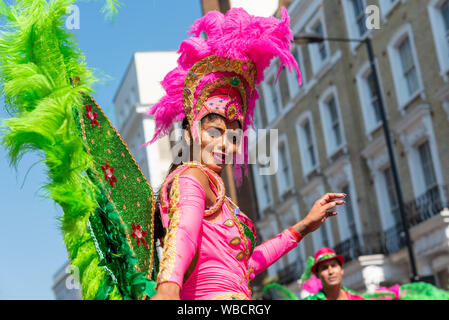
column 332, row 204
column 329, row 205
column 329, row 196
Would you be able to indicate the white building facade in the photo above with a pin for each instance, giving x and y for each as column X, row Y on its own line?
column 332, row 129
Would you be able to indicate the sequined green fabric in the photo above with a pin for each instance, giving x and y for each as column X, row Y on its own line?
column 128, row 207
column 249, row 234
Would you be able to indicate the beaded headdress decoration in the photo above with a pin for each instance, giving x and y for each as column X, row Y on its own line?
column 220, row 74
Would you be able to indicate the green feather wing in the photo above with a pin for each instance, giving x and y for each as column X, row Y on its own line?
column 38, row 59
column 282, row 291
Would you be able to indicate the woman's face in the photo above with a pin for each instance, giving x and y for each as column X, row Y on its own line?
column 219, row 142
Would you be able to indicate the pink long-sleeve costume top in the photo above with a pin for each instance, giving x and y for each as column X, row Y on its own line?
column 222, row 269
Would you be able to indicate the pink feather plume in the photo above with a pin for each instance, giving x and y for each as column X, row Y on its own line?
column 234, row 35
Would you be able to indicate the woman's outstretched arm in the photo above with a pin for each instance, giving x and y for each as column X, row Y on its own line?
column 270, row 251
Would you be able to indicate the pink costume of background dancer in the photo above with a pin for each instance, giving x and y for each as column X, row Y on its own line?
column 209, row 249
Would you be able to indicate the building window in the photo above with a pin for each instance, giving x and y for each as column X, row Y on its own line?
column 319, row 52
column 428, row 199
column 349, row 212
column 392, row 196
column 335, row 122
column 355, row 17
column 359, row 14
column 408, row 66
column 445, row 14
column 292, row 77
column 309, row 144
column 426, row 162
column 284, row 174
column 272, row 97
column 404, row 66
column 258, row 123
column 369, row 98
column 263, row 188
column 387, row 6
column 266, row 188
column 439, row 20
column 321, row 46
column 331, row 121
column 373, row 97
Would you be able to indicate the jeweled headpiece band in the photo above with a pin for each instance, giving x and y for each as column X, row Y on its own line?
column 245, row 69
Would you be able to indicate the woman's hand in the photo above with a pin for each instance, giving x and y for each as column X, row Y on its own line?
column 321, row 210
column 167, row 291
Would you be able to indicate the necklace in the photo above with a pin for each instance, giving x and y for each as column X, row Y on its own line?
column 213, row 177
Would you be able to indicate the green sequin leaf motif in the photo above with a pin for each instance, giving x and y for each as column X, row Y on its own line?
column 249, row 234
column 123, row 225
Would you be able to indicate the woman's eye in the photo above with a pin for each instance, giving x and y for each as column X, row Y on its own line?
column 214, row 133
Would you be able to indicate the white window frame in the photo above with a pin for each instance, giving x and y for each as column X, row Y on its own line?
column 415, row 162
column 402, row 95
column 339, row 175
column 292, row 77
column 282, row 185
column 351, row 23
column 440, row 38
column 365, row 99
column 317, row 63
column 311, row 193
column 262, row 201
column 413, row 130
column 307, row 167
column 446, row 108
column 252, row 136
column 387, row 7
column 326, row 121
column 388, row 204
column 266, row 87
column 383, row 200
column 377, row 159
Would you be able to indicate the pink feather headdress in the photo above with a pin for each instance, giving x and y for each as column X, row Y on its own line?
column 238, row 48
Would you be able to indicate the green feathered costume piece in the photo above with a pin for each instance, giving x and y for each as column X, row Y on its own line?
column 410, row 291
column 285, row 293
column 422, row 291
column 110, row 8
column 108, row 205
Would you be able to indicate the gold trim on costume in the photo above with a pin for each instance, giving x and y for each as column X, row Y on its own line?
column 246, row 69
column 231, row 296
column 169, row 252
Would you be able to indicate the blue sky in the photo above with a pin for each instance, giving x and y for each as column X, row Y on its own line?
column 31, row 244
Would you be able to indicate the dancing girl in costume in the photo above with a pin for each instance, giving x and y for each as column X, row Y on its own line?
column 209, row 251
column 109, row 208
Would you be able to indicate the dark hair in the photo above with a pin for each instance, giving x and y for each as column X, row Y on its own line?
column 159, row 231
